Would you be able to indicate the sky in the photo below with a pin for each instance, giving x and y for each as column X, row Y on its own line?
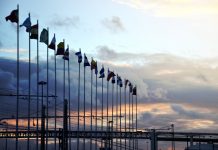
column 168, row 48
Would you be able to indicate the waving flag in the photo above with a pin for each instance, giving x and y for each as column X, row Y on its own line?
column 79, row 55
column 66, row 54
column 134, row 91
column 60, row 49
column 110, row 75
column 130, row 87
column 52, row 45
column 113, row 80
column 44, row 36
column 102, row 73
column 34, row 32
column 126, row 82
column 27, row 24
column 96, row 69
column 93, row 64
column 13, row 17
column 86, row 62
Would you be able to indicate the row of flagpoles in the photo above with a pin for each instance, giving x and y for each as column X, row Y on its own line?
column 33, row 31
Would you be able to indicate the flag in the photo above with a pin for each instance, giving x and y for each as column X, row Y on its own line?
column 96, row 69
column 66, row 54
column 134, row 92
column 52, row 44
column 79, row 56
column 110, row 75
column 126, row 82
column 93, row 64
column 86, row 62
column 102, row 73
column 121, row 82
column 130, row 87
column 34, row 32
column 13, row 17
column 113, row 80
column 44, row 36
column 60, row 49
column 27, row 24
column 118, row 80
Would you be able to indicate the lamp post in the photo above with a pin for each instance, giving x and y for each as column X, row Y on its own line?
column 173, row 142
column 42, row 83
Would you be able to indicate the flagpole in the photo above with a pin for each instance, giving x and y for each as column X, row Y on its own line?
column 29, row 88
column 136, row 117
column 47, row 97
column 84, row 106
column 129, row 114
column 125, row 110
column 96, row 106
column 55, row 97
column 133, row 141
column 107, row 117
column 55, row 138
column 78, row 109
column 18, row 80
column 120, row 119
column 37, row 90
column 102, row 111
column 112, row 112
column 69, row 96
column 91, row 108
column 117, row 112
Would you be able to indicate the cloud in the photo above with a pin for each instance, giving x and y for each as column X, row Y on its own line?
column 58, row 21
column 12, row 50
column 113, row 24
column 173, row 8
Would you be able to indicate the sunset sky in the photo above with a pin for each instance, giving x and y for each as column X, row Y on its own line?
column 168, row 48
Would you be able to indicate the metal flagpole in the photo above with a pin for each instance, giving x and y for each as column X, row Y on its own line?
column 125, row 110
column 120, row 117
column 55, row 96
column 106, row 143
column 37, row 91
column 112, row 110
column 102, row 111
column 78, row 109
column 18, row 79
column 69, row 96
column 136, row 116
column 29, row 88
column 91, row 108
column 96, row 105
column 133, row 141
column 117, row 113
column 84, row 106
column 129, row 113
column 47, row 97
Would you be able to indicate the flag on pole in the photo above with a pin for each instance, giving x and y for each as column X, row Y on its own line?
column 93, row 64
column 27, row 24
column 96, row 69
column 102, row 73
column 52, row 44
column 60, row 49
column 34, row 32
column 44, row 36
column 130, row 87
column 110, row 75
column 134, row 91
column 79, row 55
column 66, row 54
column 13, row 17
column 86, row 62
column 121, row 82
column 113, row 80
column 126, row 82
